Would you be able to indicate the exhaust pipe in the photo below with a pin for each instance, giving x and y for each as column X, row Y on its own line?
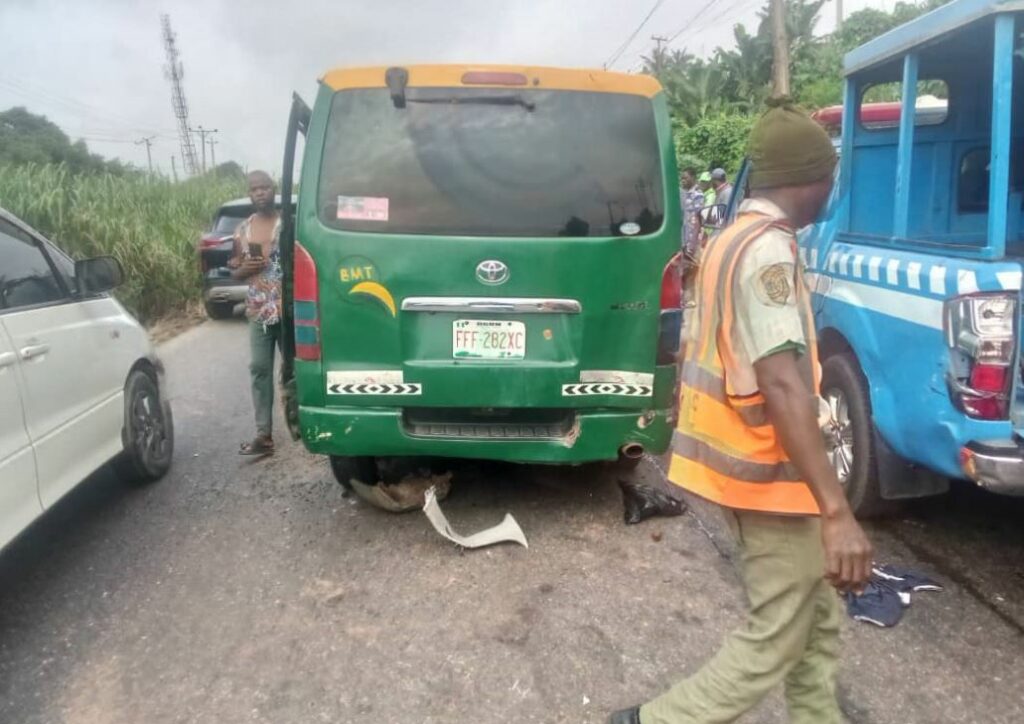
column 631, row 451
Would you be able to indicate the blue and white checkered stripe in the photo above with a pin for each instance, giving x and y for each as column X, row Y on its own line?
column 900, row 284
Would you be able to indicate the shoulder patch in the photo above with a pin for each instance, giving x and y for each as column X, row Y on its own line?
column 773, row 284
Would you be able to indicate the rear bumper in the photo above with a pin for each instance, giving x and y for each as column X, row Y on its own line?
column 997, row 466
column 596, row 435
column 224, row 291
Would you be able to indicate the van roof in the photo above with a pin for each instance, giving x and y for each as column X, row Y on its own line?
column 924, row 30
column 452, row 76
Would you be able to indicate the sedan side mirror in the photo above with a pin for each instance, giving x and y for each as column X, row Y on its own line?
column 98, row 275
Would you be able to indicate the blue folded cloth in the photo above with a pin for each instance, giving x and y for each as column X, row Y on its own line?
column 887, row 594
column 903, row 580
column 878, row 604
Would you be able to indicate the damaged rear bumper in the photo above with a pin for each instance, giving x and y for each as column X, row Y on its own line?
column 594, row 435
column 997, row 466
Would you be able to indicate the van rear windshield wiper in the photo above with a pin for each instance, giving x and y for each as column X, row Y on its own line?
column 512, row 100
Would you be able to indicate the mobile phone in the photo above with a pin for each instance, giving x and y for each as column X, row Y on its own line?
column 255, row 251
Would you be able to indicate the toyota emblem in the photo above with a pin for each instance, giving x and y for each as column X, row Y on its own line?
column 492, row 272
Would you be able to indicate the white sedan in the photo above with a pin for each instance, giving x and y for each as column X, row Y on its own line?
column 80, row 384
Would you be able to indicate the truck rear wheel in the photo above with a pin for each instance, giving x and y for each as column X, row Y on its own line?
column 849, row 434
column 363, row 469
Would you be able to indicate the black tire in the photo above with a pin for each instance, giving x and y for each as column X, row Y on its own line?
column 363, row 469
column 842, row 379
column 220, row 310
column 148, row 434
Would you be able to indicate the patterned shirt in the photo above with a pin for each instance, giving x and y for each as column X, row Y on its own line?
column 691, row 202
column 263, row 301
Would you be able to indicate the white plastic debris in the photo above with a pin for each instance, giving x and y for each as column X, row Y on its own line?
column 507, row 531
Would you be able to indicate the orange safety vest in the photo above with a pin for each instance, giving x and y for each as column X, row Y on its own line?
column 726, row 450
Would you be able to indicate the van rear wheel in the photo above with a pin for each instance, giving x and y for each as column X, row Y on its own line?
column 362, row 468
column 849, row 434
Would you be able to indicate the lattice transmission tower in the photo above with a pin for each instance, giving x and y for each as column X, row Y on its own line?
column 175, row 72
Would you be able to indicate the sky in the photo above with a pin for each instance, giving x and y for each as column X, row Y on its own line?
column 96, row 67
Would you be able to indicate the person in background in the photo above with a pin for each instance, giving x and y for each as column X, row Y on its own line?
column 749, row 441
column 691, row 201
column 723, row 189
column 707, row 189
column 708, row 215
column 257, row 259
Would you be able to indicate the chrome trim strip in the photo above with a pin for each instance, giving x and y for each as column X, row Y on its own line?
column 492, row 305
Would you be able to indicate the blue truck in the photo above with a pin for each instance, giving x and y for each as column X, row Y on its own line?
column 915, row 265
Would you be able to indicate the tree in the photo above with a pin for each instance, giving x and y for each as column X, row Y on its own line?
column 29, row 138
column 713, row 100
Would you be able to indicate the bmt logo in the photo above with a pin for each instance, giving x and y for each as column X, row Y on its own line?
column 357, row 273
column 492, row 272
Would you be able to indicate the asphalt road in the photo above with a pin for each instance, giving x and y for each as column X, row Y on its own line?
column 254, row 592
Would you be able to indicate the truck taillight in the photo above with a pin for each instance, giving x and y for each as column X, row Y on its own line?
column 307, row 306
column 671, row 318
column 981, row 331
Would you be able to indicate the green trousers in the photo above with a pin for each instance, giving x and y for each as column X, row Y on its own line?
column 263, row 339
column 790, row 636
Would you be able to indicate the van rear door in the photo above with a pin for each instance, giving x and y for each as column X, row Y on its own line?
column 491, row 247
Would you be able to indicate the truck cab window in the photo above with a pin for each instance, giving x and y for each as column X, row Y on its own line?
column 972, row 182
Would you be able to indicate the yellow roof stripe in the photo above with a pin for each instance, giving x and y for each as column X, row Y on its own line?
column 450, row 76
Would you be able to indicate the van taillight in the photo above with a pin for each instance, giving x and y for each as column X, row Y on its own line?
column 981, row 332
column 307, row 306
column 671, row 319
column 672, row 284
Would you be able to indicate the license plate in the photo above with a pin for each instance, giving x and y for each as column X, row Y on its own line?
column 487, row 339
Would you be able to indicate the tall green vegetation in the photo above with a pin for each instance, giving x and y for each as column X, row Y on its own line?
column 150, row 224
column 714, row 99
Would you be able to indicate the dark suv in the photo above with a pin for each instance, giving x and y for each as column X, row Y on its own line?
column 221, row 292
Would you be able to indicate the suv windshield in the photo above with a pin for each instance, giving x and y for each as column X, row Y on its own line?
column 492, row 162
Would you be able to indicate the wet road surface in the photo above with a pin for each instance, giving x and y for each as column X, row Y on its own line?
column 235, row 591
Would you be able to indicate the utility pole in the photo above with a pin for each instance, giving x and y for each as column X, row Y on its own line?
column 839, row 14
column 203, row 133
column 148, row 140
column 213, row 157
column 174, row 167
column 780, row 48
column 659, row 39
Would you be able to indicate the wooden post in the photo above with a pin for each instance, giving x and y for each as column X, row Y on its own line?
column 780, row 47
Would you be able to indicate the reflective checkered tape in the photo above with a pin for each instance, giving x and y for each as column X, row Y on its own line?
column 606, row 388
column 410, row 388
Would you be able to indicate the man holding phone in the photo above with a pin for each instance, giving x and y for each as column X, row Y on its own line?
column 257, row 259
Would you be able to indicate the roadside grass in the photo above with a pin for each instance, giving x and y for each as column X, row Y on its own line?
column 151, row 225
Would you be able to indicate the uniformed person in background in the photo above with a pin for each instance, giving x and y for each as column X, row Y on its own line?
column 749, row 440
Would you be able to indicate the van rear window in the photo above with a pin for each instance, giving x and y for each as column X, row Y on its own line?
column 492, row 162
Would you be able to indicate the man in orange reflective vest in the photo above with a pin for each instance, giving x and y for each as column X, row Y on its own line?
column 748, row 439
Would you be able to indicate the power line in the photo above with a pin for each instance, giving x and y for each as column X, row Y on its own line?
column 68, row 103
column 617, row 53
column 691, row 21
column 739, row 5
